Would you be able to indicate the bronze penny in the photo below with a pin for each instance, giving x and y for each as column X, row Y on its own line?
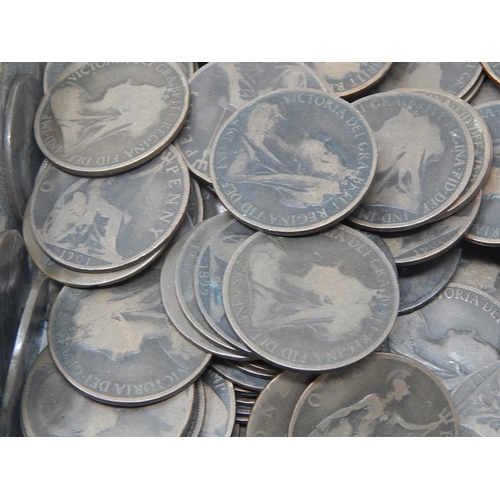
column 220, row 88
column 117, row 344
column 486, row 227
column 452, row 335
column 71, row 277
column 238, row 377
column 456, row 78
column 53, row 71
column 198, row 414
column 105, row 224
column 476, row 399
column 427, row 242
column 382, row 395
column 425, row 159
column 293, row 162
column 105, row 118
column 472, row 93
column 347, row 79
column 52, row 407
column 313, row 303
column 483, row 146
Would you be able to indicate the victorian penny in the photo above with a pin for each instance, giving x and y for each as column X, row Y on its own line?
column 313, row 303
column 382, row 395
column 53, row 407
column 452, row 335
column 425, row 160
column 293, row 162
column 105, row 224
column 117, row 344
column 104, row 118
column 493, row 70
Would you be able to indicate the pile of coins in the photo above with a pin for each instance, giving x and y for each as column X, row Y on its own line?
column 267, row 249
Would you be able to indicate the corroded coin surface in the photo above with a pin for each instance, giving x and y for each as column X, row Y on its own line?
column 486, row 227
column 456, row 78
column 293, row 162
column 117, row 344
column 52, row 407
column 104, row 118
column 350, row 78
column 452, row 335
column 382, row 395
column 105, row 224
column 219, row 89
column 425, row 159
column 477, row 399
column 313, row 303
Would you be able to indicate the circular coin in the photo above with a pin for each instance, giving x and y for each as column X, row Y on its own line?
column 313, row 303
column 52, row 407
column 293, row 162
column 382, row 395
column 105, row 118
column 452, row 335
column 106, row 224
column 425, row 159
column 493, row 70
column 117, row 344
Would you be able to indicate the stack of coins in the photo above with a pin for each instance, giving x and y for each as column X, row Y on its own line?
column 335, row 206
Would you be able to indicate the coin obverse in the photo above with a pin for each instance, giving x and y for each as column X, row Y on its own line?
column 425, row 160
column 293, row 162
column 314, row 303
column 117, row 345
column 452, row 335
column 104, row 118
column 382, row 395
column 52, row 407
column 105, row 224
